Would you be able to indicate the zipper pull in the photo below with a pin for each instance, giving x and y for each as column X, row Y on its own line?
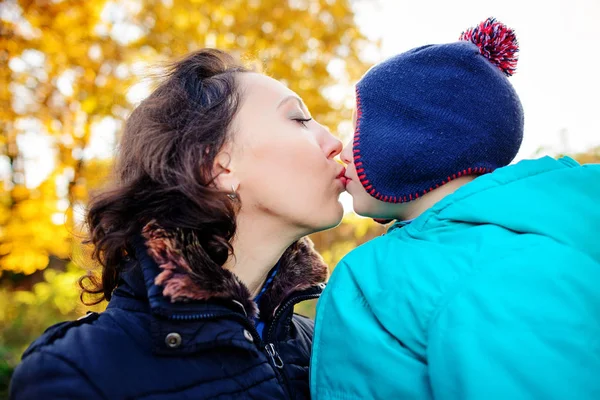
column 277, row 361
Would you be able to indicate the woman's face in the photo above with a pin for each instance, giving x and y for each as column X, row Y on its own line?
column 282, row 159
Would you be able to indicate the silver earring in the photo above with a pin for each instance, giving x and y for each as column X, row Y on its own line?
column 233, row 194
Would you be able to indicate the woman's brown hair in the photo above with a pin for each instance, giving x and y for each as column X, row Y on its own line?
column 164, row 168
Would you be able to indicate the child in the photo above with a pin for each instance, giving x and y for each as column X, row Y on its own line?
column 493, row 290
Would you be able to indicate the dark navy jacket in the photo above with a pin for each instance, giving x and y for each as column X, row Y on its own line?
column 145, row 346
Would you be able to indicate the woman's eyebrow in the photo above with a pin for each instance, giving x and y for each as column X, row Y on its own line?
column 290, row 97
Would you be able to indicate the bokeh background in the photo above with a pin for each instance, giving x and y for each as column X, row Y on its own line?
column 72, row 70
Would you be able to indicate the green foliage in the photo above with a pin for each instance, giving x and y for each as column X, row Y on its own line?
column 27, row 313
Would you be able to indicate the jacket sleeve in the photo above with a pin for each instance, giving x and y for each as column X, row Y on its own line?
column 45, row 375
column 514, row 334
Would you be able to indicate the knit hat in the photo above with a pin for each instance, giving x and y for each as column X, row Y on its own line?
column 438, row 112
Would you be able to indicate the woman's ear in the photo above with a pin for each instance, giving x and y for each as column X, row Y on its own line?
column 224, row 172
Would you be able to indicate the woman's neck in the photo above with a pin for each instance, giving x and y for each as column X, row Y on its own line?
column 258, row 245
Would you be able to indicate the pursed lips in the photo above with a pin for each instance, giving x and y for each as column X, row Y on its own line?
column 342, row 176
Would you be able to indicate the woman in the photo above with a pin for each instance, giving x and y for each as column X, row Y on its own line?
column 221, row 173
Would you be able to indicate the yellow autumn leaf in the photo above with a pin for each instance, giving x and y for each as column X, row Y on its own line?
column 20, row 192
column 24, row 297
column 89, row 104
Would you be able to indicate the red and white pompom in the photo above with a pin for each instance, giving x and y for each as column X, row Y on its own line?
column 496, row 42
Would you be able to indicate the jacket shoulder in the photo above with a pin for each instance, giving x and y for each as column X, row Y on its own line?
column 48, row 375
column 396, row 258
column 400, row 282
column 58, row 331
column 78, row 353
column 304, row 324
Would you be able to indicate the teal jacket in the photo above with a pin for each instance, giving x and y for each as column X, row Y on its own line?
column 493, row 293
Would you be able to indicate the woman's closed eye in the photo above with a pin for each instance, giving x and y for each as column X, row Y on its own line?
column 302, row 120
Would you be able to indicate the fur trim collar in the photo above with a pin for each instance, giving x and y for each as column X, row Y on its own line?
column 187, row 273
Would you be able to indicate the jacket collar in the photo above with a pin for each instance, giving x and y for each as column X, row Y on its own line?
column 177, row 279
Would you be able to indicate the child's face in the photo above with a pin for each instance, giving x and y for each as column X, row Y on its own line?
column 364, row 204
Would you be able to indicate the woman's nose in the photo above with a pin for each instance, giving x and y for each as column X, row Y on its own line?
column 346, row 155
column 332, row 145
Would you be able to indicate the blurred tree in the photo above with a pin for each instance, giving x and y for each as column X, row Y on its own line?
column 353, row 231
column 591, row 156
column 66, row 70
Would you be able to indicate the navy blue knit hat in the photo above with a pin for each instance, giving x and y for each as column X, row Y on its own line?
column 438, row 112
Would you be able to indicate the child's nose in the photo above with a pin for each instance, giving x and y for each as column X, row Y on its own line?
column 346, row 154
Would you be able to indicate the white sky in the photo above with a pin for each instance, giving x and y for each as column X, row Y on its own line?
column 557, row 75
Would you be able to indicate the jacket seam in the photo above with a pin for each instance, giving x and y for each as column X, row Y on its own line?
column 118, row 325
column 449, row 297
column 446, row 298
column 76, row 368
column 246, row 389
column 201, row 382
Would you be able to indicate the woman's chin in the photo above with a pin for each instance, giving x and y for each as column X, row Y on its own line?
column 337, row 215
column 329, row 219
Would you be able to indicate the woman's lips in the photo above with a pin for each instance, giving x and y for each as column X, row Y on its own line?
column 347, row 180
column 342, row 177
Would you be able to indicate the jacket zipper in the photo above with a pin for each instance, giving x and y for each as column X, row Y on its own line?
column 271, row 344
column 291, row 302
column 272, row 354
column 193, row 317
column 275, row 358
